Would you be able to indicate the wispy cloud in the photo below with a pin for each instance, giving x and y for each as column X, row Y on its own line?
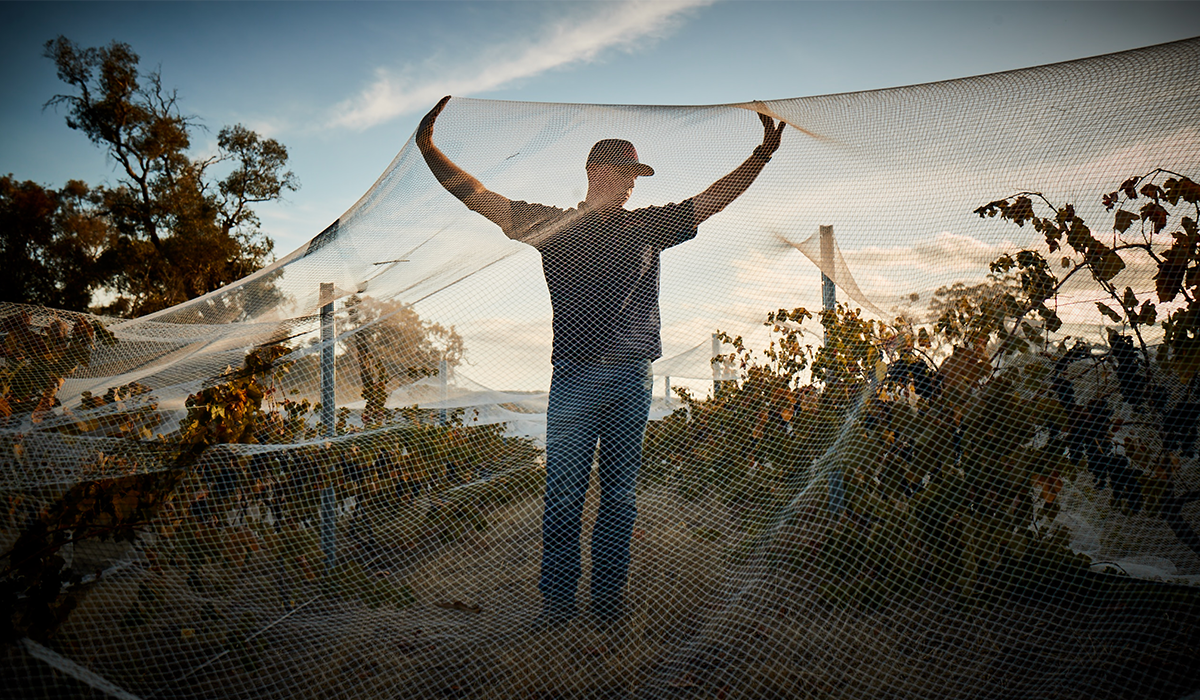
column 944, row 252
column 591, row 30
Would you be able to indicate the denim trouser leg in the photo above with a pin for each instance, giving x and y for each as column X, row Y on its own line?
column 571, row 434
column 590, row 402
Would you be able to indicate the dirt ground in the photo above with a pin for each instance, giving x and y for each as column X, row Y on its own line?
column 698, row 628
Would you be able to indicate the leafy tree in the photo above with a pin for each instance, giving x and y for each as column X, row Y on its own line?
column 386, row 344
column 178, row 230
column 50, row 242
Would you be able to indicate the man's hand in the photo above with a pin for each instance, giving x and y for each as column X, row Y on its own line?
column 771, row 135
column 457, row 181
column 425, row 130
column 723, row 191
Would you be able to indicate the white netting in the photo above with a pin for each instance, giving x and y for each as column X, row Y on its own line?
column 914, row 511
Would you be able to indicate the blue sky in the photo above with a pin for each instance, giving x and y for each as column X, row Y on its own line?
column 343, row 85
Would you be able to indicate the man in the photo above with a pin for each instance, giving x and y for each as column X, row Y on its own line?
column 601, row 264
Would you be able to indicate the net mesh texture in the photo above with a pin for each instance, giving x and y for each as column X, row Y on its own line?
column 329, row 479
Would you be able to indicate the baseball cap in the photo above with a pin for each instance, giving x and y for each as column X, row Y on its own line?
column 620, row 153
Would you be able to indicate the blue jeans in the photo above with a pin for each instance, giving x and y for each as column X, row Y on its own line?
column 607, row 403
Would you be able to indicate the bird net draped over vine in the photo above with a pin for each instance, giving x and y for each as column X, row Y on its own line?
column 973, row 475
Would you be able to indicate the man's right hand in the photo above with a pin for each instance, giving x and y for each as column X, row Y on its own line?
column 425, row 130
column 457, row 181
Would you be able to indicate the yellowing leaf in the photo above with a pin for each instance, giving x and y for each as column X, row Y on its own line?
column 1050, row 486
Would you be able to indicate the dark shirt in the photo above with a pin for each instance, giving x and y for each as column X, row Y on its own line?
column 602, row 269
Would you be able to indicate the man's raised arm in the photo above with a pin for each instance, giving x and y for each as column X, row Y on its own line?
column 456, row 180
column 723, row 191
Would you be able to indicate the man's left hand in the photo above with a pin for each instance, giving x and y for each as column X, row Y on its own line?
column 771, row 135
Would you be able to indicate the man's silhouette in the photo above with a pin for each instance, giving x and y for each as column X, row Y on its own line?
column 601, row 264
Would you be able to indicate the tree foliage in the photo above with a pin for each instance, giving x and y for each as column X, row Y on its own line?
column 386, row 344
column 51, row 242
column 176, row 230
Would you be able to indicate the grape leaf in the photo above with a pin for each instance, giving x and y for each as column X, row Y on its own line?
column 1123, row 220
column 1148, row 314
column 1183, row 189
column 1156, row 215
column 1128, row 187
column 1105, row 262
column 1185, row 358
column 1020, row 211
column 1169, row 278
column 1104, row 309
column 1152, row 191
column 1129, row 301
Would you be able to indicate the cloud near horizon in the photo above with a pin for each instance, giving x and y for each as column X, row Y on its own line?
column 578, row 38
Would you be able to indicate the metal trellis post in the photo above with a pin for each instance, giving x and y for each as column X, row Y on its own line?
column 828, row 291
column 328, row 418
